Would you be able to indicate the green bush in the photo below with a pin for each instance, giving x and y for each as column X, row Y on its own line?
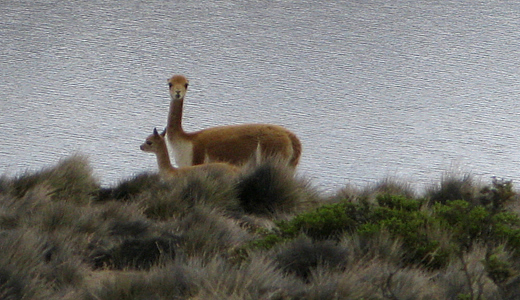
column 498, row 269
column 398, row 215
column 479, row 224
column 399, row 202
column 404, row 220
column 326, row 222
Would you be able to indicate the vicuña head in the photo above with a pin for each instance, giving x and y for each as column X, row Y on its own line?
column 155, row 143
column 178, row 86
column 234, row 144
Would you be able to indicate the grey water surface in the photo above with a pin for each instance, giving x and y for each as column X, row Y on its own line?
column 374, row 89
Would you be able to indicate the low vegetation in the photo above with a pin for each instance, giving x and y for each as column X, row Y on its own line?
column 266, row 234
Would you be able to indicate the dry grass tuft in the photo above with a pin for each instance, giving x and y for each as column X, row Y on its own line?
column 71, row 180
column 453, row 187
column 206, row 233
column 302, row 256
column 272, row 188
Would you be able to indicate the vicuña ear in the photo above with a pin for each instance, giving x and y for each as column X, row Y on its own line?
column 163, row 133
column 155, row 131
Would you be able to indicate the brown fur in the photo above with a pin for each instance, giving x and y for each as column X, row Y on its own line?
column 235, row 144
column 155, row 143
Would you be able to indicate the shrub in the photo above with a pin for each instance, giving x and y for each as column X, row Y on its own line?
column 71, row 180
column 122, row 286
column 302, row 255
column 404, row 220
column 38, row 263
column 271, row 188
column 11, row 284
column 397, row 215
column 256, row 279
column 453, row 188
column 206, row 233
column 180, row 195
column 135, row 228
column 498, row 269
column 143, row 253
column 472, row 224
column 129, row 188
column 326, row 222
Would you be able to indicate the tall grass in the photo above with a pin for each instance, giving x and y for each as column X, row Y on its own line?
column 71, row 180
column 272, row 189
column 265, row 234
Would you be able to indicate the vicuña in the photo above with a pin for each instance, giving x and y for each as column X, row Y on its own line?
column 234, row 144
column 155, row 143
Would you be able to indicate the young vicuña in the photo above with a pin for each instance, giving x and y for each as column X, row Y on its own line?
column 234, row 144
column 155, row 143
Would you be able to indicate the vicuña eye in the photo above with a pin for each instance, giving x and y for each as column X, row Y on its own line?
column 170, row 84
column 148, row 143
column 186, row 85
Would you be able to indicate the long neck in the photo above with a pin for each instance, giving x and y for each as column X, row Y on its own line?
column 174, row 127
column 163, row 160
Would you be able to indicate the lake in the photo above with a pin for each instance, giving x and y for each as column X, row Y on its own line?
column 375, row 89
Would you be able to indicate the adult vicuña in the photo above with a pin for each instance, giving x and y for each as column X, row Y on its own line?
column 235, row 144
column 155, row 143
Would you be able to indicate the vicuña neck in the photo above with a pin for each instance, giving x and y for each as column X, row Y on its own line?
column 174, row 126
column 163, row 160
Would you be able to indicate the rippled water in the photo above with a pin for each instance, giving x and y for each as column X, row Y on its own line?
column 374, row 89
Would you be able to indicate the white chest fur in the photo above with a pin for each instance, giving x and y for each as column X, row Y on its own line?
column 181, row 152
